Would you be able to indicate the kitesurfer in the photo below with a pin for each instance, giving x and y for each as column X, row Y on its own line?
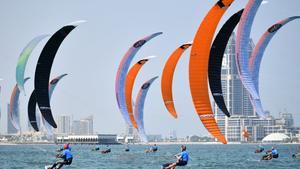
column 96, row 149
column 296, row 155
column 270, row 154
column 108, row 150
column 127, row 148
column 152, row 149
column 66, row 157
column 182, row 159
column 260, row 149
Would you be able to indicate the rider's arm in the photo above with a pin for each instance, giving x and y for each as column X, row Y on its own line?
column 60, row 156
column 63, row 155
column 178, row 156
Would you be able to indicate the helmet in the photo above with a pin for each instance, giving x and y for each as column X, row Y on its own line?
column 66, row 146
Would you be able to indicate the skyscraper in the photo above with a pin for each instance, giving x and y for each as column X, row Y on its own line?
column 90, row 123
column 76, row 127
column 10, row 127
column 63, row 125
column 83, row 126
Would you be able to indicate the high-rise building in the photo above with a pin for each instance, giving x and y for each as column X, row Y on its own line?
column 285, row 119
column 63, row 125
column 173, row 135
column 76, row 127
column 83, row 126
column 10, row 127
column 90, row 123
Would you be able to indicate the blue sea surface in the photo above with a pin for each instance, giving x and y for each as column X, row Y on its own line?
column 239, row 156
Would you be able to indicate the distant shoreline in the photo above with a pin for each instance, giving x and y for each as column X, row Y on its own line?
column 158, row 143
column 205, row 143
column 13, row 144
column 7, row 144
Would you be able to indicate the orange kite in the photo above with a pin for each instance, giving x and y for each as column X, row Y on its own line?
column 167, row 78
column 198, row 67
column 130, row 78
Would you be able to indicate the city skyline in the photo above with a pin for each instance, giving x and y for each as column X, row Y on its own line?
column 91, row 54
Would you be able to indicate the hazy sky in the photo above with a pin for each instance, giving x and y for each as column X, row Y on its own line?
column 92, row 52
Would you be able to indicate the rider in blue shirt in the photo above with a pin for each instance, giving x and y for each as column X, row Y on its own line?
column 66, row 157
column 154, row 148
column 274, row 153
column 184, row 156
column 182, row 159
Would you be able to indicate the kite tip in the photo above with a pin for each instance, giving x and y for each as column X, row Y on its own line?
column 264, row 2
column 151, row 57
column 76, row 23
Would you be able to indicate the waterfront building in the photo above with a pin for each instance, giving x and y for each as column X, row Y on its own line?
column 88, row 139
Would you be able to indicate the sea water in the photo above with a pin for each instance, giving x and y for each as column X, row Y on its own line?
column 237, row 156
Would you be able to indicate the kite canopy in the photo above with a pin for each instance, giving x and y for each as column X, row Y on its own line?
column 32, row 106
column 130, row 80
column 23, row 58
column 14, row 112
column 122, row 73
column 257, row 55
column 54, row 82
column 43, row 69
column 216, row 57
column 242, row 46
column 198, row 67
column 139, row 108
column 167, row 78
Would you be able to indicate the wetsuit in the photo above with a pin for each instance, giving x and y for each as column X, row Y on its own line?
column 96, row 149
column 296, row 155
column 67, row 159
column 106, row 151
column 183, row 159
column 154, row 148
column 275, row 153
